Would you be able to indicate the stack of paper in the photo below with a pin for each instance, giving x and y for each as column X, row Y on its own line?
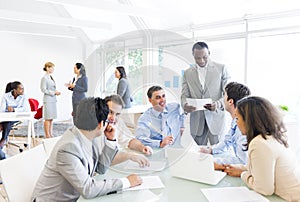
column 232, row 194
column 198, row 103
column 149, row 182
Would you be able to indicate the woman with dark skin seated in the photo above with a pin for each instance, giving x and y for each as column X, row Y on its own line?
column 13, row 100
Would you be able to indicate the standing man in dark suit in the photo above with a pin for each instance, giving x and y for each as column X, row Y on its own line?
column 206, row 79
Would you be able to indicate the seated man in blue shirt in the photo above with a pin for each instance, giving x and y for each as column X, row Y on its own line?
column 231, row 149
column 162, row 124
column 13, row 100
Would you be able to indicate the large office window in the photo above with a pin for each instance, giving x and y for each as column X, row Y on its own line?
column 135, row 78
column 230, row 52
column 113, row 59
column 263, row 57
column 272, row 65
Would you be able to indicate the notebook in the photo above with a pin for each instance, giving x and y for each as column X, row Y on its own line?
column 192, row 165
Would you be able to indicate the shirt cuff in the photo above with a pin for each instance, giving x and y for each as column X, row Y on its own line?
column 111, row 144
column 215, row 149
column 244, row 176
column 125, row 182
column 156, row 143
column 220, row 105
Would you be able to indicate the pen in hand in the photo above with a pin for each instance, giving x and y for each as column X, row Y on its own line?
column 167, row 140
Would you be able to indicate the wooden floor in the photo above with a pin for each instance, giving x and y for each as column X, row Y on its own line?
column 11, row 150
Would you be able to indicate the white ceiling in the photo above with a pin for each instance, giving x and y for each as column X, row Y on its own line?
column 98, row 20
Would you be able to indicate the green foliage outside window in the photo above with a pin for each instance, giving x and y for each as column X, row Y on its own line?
column 135, row 77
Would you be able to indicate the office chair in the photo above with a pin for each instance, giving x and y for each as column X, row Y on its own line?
column 15, row 127
column 20, row 173
column 49, row 144
column 34, row 105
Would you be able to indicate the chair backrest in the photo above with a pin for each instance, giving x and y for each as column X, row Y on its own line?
column 20, row 173
column 34, row 104
column 49, row 144
column 39, row 113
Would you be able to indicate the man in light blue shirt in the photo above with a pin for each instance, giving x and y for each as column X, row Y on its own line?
column 13, row 100
column 231, row 150
column 162, row 124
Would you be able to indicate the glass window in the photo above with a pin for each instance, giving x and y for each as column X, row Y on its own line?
column 230, row 52
column 273, row 62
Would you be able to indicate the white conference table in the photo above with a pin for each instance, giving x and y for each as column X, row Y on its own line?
column 21, row 116
column 175, row 189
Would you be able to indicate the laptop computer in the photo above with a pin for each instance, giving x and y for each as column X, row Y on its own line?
column 192, row 165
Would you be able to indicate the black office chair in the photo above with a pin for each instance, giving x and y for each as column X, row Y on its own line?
column 11, row 141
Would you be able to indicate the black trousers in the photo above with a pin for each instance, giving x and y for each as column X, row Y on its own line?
column 6, row 127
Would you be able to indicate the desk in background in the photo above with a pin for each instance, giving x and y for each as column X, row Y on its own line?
column 21, row 116
column 131, row 115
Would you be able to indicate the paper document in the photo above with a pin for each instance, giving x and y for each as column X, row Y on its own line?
column 232, row 194
column 154, row 166
column 198, row 103
column 143, row 196
column 149, row 182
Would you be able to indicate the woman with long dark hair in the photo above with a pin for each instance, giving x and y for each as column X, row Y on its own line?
column 79, row 86
column 272, row 166
column 123, row 88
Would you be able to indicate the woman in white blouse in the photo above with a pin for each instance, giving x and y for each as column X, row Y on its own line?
column 272, row 166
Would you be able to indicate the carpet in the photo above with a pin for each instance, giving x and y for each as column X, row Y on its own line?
column 58, row 129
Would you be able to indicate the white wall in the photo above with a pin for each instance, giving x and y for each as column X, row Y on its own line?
column 23, row 58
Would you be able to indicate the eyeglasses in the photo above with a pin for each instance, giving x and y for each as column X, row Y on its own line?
column 109, row 122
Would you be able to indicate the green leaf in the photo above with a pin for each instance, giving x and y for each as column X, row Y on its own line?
column 284, row 107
